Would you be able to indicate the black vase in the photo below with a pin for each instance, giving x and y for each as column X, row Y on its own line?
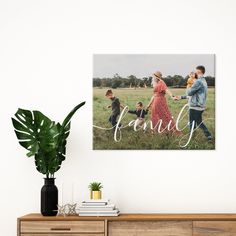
column 49, row 197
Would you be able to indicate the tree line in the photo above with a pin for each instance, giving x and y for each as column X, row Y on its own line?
column 132, row 81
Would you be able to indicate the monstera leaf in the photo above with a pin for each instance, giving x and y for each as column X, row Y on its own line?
column 43, row 138
column 35, row 131
column 47, row 163
column 64, row 131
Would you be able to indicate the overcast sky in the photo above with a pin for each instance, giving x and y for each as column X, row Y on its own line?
column 106, row 65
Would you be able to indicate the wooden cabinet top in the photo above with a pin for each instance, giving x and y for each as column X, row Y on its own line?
column 133, row 217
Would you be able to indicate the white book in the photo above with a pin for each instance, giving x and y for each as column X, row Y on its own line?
column 94, row 204
column 99, row 212
column 101, row 202
column 109, row 207
column 96, row 200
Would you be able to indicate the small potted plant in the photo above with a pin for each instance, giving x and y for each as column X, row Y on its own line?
column 95, row 190
column 45, row 140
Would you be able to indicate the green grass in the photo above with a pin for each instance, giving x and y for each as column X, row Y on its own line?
column 104, row 139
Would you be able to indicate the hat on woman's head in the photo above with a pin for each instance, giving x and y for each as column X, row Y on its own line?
column 158, row 74
column 108, row 92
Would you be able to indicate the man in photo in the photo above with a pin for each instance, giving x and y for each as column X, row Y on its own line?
column 197, row 95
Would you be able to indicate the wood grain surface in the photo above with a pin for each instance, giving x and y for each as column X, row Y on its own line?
column 62, row 226
column 37, row 234
column 214, row 228
column 151, row 228
column 129, row 225
column 133, row 217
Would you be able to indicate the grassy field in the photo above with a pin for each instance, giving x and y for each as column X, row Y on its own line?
column 104, row 139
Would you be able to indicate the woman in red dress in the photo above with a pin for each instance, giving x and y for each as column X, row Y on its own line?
column 162, row 120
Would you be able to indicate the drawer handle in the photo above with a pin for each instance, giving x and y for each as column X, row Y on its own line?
column 62, row 229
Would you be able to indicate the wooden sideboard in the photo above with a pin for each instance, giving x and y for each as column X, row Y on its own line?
column 129, row 225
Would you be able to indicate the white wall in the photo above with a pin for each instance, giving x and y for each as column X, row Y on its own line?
column 46, row 52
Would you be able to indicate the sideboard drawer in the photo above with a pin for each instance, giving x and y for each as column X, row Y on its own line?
column 61, row 234
column 62, row 227
column 214, row 228
column 150, row 228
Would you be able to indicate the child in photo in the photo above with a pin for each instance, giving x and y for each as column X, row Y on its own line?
column 115, row 108
column 140, row 112
column 192, row 78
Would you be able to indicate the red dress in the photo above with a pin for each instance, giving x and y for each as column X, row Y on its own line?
column 160, row 110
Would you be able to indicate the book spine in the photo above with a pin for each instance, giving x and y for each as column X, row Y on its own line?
column 99, row 214
column 95, row 209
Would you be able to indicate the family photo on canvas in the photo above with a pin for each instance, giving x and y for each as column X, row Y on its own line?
column 154, row 111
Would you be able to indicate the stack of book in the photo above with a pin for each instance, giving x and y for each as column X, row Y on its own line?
column 98, row 208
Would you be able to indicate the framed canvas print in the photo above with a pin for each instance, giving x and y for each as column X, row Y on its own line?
column 154, row 102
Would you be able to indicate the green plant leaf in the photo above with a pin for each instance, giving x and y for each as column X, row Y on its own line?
column 69, row 116
column 43, row 138
column 64, row 131
column 95, row 186
column 34, row 131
